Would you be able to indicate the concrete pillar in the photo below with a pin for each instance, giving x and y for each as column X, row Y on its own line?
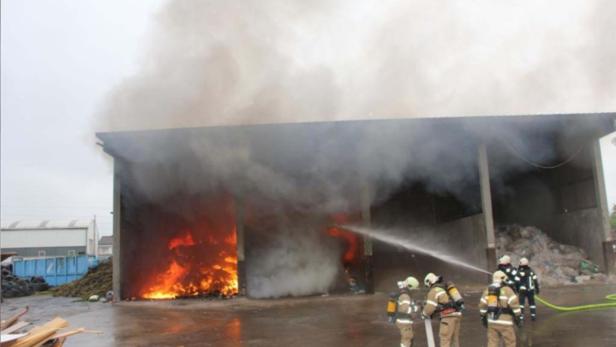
column 486, row 204
column 117, row 233
column 241, row 253
column 609, row 245
column 366, row 198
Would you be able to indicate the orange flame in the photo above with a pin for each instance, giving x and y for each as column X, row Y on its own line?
column 351, row 242
column 187, row 240
column 202, row 267
column 351, row 239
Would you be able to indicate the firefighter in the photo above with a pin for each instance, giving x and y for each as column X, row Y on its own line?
column 504, row 265
column 499, row 309
column 439, row 301
column 528, row 285
column 406, row 309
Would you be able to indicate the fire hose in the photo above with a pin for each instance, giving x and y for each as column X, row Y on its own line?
column 599, row 306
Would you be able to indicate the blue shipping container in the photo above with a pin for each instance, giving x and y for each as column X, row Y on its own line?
column 55, row 270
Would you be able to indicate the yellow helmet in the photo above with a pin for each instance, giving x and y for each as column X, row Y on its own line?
column 499, row 277
column 411, row 282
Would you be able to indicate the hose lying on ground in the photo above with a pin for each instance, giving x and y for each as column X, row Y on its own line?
column 610, row 297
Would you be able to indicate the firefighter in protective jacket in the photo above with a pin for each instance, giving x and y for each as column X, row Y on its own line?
column 406, row 309
column 439, row 301
column 528, row 285
column 504, row 265
column 499, row 309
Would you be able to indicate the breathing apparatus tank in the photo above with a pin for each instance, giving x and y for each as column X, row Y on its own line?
column 455, row 296
column 493, row 297
column 392, row 307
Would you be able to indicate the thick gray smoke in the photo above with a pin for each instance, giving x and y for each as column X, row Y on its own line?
column 249, row 62
column 298, row 260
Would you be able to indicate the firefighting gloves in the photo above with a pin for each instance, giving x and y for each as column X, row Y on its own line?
column 518, row 320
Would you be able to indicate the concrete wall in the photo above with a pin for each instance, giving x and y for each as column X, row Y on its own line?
column 561, row 201
column 581, row 228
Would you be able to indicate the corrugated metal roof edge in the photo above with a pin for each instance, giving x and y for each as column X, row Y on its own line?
column 610, row 114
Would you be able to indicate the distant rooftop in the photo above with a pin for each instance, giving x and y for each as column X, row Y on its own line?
column 45, row 224
column 106, row 241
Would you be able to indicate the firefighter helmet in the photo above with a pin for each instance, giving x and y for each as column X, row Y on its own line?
column 523, row 262
column 412, row 283
column 430, row 279
column 504, row 260
column 499, row 277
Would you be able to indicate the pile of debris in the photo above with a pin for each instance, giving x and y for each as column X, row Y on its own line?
column 14, row 332
column 96, row 283
column 13, row 286
column 554, row 263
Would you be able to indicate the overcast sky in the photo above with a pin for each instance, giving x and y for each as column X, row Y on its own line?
column 59, row 61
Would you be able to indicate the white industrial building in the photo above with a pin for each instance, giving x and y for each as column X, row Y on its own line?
column 49, row 238
column 105, row 246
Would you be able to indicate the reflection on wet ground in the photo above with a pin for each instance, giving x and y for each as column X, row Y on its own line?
column 318, row 321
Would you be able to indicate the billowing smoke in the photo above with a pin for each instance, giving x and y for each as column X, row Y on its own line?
column 239, row 62
column 297, row 260
column 255, row 62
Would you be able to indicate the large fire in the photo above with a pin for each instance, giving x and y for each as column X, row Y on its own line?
column 200, row 261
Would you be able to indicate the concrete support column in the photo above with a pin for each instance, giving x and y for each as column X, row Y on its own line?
column 609, row 245
column 367, row 241
column 486, row 203
column 241, row 253
column 117, row 233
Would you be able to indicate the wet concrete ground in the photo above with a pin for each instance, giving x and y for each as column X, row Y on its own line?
column 317, row 321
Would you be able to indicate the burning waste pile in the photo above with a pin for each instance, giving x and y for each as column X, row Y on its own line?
column 554, row 263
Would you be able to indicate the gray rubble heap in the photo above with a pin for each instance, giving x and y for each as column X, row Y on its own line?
column 553, row 262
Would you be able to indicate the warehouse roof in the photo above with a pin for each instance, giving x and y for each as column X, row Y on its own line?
column 287, row 137
column 46, row 224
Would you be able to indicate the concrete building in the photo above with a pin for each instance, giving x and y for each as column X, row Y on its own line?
column 105, row 246
column 463, row 176
column 49, row 238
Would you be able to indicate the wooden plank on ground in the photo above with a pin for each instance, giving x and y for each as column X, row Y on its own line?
column 15, row 327
column 11, row 320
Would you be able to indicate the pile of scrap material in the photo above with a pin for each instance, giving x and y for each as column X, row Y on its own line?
column 554, row 263
column 13, row 286
column 15, row 332
column 97, row 282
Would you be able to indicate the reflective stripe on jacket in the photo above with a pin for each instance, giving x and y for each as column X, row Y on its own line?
column 405, row 308
column 437, row 297
column 507, row 299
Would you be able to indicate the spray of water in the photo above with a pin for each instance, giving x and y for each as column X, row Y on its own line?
column 387, row 237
